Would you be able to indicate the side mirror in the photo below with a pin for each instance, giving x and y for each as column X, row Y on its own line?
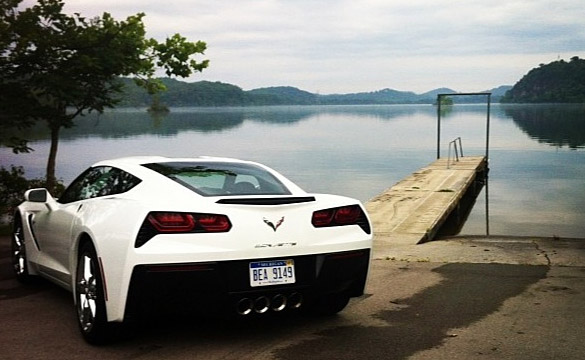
column 36, row 195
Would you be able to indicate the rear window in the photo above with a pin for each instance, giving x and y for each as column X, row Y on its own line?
column 221, row 179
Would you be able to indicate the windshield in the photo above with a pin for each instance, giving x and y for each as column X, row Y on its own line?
column 221, row 178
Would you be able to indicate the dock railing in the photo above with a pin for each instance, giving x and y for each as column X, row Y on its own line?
column 458, row 150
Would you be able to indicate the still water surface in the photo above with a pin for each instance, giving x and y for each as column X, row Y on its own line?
column 536, row 153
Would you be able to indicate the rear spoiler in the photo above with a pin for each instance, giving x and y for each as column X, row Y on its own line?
column 267, row 200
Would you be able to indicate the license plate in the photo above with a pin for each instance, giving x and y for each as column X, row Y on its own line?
column 274, row 272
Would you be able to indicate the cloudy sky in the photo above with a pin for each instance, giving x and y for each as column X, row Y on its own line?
column 342, row 46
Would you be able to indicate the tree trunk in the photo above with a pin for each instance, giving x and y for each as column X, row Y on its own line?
column 51, row 179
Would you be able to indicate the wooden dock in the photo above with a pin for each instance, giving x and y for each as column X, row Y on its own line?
column 413, row 210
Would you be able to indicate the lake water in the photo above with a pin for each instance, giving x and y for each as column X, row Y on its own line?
column 536, row 153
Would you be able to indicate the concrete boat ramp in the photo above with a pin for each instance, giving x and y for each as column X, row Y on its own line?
column 413, row 210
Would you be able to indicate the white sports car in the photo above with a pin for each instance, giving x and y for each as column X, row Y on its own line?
column 143, row 235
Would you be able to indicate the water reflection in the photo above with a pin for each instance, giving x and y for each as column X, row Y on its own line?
column 557, row 125
column 127, row 123
column 358, row 151
column 457, row 219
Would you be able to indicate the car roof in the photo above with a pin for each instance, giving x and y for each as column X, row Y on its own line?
column 140, row 160
column 135, row 166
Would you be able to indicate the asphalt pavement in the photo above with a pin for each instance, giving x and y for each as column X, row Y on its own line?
column 457, row 298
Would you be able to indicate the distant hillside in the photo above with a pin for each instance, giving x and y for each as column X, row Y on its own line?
column 180, row 93
column 206, row 93
column 282, row 95
column 557, row 82
column 385, row 96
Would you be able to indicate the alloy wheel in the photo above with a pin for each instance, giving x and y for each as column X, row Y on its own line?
column 18, row 251
column 87, row 292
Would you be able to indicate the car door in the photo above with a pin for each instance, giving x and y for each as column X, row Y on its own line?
column 52, row 229
column 57, row 228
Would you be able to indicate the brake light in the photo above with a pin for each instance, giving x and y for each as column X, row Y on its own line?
column 347, row 215
column 172, row 222
column 213, row 223
column 340, row 216
column 159, row 222
column 323, row 217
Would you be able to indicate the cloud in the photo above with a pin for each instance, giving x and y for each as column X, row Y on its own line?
column 345, row 45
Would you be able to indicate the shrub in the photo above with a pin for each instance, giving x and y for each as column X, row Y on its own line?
column 13, row 185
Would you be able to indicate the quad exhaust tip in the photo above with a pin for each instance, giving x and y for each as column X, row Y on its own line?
column 278, row 303
column 244, row 306
column 263, row 304
column 295, row 300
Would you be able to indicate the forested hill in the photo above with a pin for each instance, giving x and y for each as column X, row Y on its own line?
column 557, row 82
column 206, row 93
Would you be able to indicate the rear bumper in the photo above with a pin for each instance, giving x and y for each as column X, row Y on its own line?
column 220, row 287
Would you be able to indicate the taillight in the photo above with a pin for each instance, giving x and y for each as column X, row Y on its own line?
column 213, row 223
column 172, row 222
column 323, row 217
column 340, row 216
column 347, row 215
column 159, row 222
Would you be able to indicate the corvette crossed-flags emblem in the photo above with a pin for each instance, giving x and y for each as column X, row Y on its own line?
column 272, row 225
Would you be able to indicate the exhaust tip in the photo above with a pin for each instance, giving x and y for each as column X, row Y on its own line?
column 244, row 306
column 261, row 305
column 278, row 303
column 295, row 300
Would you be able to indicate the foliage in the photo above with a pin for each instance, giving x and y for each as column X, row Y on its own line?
column 557, row 82
column 445, row 101
column 281, row 95
column 206, row 93
column 55, row 67
column 13, row 184
column 385, row 96
column 179, row 93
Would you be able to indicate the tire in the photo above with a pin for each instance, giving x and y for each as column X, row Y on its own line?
column 18, row 251
column 89, row 298
column 329, row 304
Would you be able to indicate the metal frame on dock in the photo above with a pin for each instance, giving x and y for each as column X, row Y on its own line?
column 487, row 136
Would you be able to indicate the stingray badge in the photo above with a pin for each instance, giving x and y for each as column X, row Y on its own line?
column 272, row 225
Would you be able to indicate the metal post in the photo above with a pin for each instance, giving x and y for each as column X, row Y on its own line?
column 487, row 151
column 439, row 126
column 487, row 135
column 487, row 205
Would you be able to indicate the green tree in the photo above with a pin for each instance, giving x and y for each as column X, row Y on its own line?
column 557, row 82
column 55, row 67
